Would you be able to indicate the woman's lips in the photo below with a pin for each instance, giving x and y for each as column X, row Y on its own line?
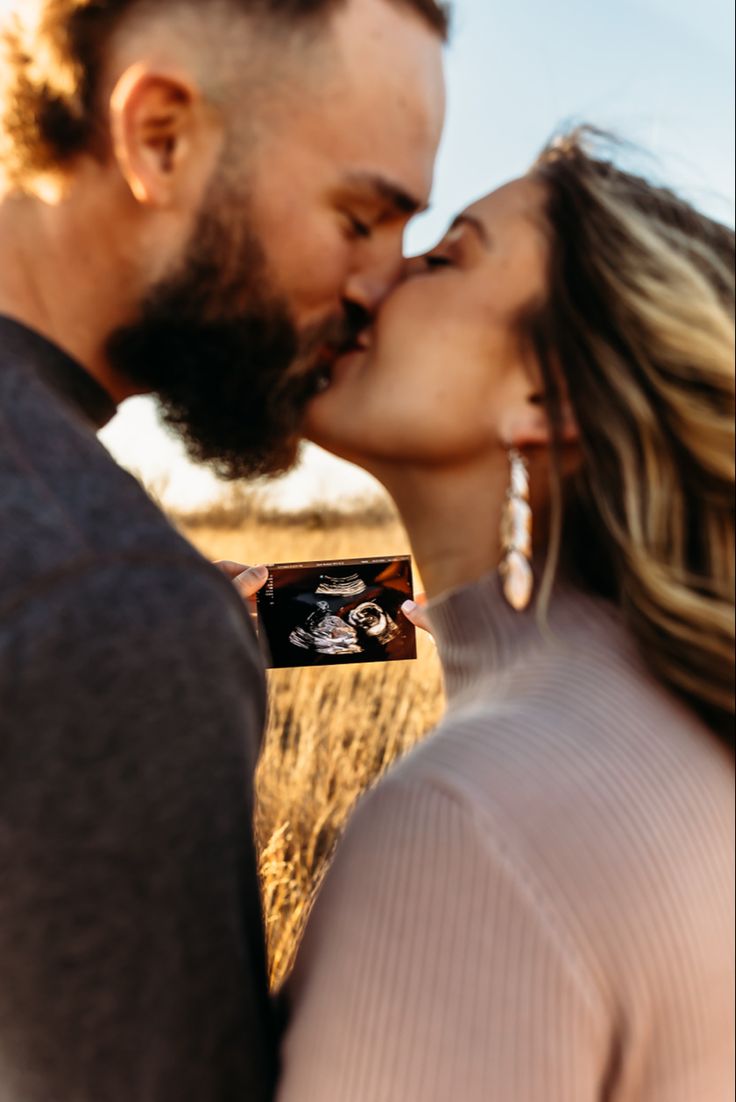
column 349, row 360
column 333, row 363
column 364, row 339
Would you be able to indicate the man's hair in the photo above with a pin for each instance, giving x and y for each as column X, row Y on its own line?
column 52, row 70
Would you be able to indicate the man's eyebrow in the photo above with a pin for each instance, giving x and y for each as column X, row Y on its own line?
column 391, row 193
column 477, row 225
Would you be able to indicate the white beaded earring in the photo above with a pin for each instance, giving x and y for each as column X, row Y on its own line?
column 516, row 536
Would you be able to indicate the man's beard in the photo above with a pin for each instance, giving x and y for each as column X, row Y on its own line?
column 215, row 343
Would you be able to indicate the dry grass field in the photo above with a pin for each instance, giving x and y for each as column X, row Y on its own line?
column 332, row 731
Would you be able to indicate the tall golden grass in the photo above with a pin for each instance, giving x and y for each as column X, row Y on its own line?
column 332, row 731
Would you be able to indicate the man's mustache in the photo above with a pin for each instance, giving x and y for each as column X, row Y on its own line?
column 319, row 347
column 329, row 340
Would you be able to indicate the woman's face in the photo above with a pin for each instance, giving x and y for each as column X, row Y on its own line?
column 444, row 374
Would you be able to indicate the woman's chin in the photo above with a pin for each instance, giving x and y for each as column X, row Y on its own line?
column 347, row 368
column 333, row 405
column 341, row 418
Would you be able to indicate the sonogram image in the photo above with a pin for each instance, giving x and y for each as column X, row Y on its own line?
column 326, row 634
column 337, row 612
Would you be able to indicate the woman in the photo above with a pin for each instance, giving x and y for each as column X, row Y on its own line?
column 537, row 904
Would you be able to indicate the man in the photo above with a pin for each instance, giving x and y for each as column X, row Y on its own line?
column 204, row 200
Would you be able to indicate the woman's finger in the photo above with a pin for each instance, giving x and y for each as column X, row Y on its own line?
column 415, row 612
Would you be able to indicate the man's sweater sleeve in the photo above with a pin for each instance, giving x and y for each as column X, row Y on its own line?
column 131, row 944
column 432, row 970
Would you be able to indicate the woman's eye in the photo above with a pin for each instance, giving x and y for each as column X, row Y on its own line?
column 438, row 262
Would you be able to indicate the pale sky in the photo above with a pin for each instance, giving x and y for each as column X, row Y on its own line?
column 659, row 72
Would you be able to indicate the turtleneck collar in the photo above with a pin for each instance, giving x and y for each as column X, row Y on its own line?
column 482, row 640
column 59, row 372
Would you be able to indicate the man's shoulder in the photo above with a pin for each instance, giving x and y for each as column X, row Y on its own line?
column 63, row 499
column 85, row 554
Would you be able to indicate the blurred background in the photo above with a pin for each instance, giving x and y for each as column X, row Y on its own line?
column 658, row 72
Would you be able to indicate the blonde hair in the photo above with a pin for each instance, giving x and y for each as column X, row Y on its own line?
column 638, row 332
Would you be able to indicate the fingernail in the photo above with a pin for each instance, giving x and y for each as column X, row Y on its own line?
column 261, row 572
column 408, row 607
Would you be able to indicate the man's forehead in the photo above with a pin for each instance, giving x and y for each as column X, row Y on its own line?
column 386, row 145
column 370, row 110
column 389, row 97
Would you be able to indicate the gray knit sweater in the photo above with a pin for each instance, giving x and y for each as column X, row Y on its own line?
column 537, row 905
column 131, row 707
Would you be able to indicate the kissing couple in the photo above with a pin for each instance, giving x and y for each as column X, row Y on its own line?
column 206, row 201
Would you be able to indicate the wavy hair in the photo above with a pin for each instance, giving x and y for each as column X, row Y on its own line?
column 637, row 333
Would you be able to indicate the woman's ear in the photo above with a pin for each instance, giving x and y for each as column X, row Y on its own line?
column 526, row 424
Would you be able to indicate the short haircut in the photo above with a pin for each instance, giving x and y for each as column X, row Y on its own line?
column 50, row 96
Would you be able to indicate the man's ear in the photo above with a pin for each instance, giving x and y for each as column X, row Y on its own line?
column 156, row 119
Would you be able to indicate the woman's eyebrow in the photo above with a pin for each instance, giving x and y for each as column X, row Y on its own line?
column 477, row 226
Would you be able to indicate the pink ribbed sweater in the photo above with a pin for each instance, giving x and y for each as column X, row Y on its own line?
column 537, row 905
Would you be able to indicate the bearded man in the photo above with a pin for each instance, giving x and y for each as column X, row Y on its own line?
column 205, row 200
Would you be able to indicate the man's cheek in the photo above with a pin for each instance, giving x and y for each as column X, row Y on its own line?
column 317, row 286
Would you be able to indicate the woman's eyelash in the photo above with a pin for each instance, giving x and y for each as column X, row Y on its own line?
column 438, row 261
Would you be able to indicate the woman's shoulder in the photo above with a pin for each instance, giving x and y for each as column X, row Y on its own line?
column 573, row 778
column 621, row 747
column 578, row 714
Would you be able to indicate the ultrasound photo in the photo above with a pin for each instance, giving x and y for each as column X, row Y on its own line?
column 337, row 613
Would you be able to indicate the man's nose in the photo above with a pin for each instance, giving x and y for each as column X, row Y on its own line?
column 368, row 286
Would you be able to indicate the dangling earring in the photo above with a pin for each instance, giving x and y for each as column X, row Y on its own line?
column 516, row 536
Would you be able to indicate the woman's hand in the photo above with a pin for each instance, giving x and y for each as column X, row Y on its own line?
column 416, row 614
column 246, row 579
